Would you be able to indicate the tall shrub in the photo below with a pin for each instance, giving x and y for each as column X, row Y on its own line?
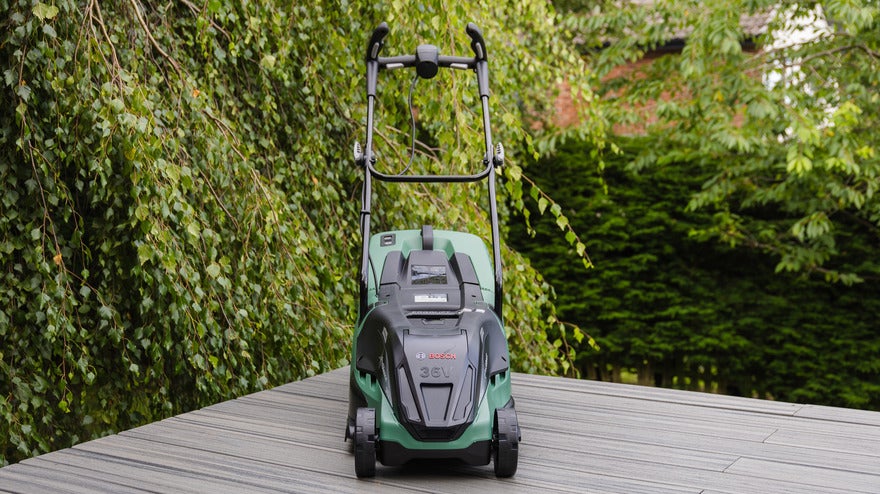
column 179, row 204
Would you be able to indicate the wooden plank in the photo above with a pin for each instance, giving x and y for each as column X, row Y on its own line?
column 34, row 477
column 651, row 394
column 549, row 445
column 660, row 477
column 811, row 476
column 847, row 415
column 68, row 471
column 840, row 442
column 681, row 421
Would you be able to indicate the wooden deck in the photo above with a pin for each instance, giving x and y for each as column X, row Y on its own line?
column 578, row 436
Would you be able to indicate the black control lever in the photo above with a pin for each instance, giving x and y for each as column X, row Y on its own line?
column 477, row 42
column 373, row 48
column 375, row 44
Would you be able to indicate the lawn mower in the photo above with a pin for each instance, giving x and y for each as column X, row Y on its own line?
column 430, row 370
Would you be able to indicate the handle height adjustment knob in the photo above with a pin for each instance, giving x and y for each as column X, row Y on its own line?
column 358, row 155
column 498, row 159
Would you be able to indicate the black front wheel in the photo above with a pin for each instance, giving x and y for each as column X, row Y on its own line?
column 505, row 442
column 365, row 436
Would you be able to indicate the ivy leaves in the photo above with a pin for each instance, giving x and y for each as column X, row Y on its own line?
column 179, row 211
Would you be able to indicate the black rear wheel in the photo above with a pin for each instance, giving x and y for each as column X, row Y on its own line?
column 505, row 442
column 365, row 436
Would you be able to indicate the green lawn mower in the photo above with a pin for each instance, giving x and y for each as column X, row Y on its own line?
column 430, row 370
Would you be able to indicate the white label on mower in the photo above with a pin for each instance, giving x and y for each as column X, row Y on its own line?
column 430, row 298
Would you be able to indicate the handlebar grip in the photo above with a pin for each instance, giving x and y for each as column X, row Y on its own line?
column 375, row 44
column 478, row 44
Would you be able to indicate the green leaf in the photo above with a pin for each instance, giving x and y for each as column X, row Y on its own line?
column 799, row 165
column 514, row 172
column 213, row 270
column 142, row 212
column 105, row 312
column 145, row 253
column 562, row 222
column 542, row 205
column 268, row 61
column 24, row 92
column 45, row 12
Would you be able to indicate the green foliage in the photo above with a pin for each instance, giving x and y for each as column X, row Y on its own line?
column 681, row 311
column 791, row 126
column 179, row 208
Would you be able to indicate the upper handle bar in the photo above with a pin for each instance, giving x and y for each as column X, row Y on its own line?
column 478, row 45
column 426, row 61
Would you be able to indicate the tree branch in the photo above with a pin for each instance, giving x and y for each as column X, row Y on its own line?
column 146, row 28
column 832, row 51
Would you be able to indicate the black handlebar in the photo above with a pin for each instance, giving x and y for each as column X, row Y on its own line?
column 427, row 60
column 477, row 42
column 375, row 44
column 478, row 45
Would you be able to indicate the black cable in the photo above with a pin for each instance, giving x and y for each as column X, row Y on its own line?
column 412, row 125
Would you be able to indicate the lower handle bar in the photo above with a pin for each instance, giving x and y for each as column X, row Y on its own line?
column 384, row 177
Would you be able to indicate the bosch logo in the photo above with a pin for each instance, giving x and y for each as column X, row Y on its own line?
column 420, row 356
column 441, row 356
